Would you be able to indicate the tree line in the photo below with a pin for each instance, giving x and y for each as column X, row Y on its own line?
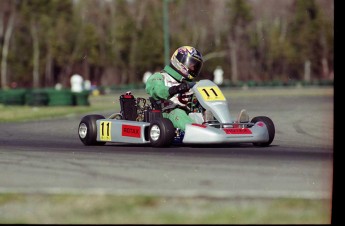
column 44, row 42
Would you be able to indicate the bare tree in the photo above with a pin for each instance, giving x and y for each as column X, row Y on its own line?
column 240, row 18
column 8, row 32
column 36, row 54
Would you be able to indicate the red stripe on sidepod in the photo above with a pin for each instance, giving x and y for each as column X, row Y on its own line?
column 202, row 126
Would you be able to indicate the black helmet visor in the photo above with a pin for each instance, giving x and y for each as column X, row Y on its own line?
column 194, row 65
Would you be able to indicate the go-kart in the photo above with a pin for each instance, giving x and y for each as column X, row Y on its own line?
column 141, row 121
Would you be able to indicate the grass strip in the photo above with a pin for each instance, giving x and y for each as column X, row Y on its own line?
column 143, row 209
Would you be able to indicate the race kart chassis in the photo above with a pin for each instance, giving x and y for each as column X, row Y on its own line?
column 142, row 123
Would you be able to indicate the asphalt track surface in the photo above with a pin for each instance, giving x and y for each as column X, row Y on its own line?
column 47, row 156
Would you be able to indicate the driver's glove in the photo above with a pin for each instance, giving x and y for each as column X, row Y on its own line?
column 182, row 88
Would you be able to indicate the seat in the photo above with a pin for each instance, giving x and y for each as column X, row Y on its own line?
column 128, row 106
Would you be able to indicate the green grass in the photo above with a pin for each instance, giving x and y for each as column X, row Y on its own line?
column 111, row 102
column 141, row 209
column 19, row 113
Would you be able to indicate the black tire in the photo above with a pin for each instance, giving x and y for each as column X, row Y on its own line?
column 87, row 130
column 270, row 127
column 161, row 132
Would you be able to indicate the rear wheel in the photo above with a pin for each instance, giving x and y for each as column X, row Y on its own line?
column 161, row 132
column 87, row 130
column 270, row 127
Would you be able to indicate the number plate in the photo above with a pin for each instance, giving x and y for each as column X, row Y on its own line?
column 105, row 131
column 211, row 93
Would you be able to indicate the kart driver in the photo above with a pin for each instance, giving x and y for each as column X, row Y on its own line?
column 171, row 86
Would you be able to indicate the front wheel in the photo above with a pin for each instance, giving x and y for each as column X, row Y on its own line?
column 270, row 127
column 87, row 130
column 161, row 132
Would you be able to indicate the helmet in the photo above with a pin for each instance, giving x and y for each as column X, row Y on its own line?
column 187, row 61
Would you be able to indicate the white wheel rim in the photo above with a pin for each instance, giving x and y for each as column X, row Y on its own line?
column 155, row 132
column 82, row 130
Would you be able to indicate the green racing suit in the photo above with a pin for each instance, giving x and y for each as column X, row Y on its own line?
column 157, row 86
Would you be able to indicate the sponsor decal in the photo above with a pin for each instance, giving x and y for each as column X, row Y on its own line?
column 131, row 131
column 237, row 131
